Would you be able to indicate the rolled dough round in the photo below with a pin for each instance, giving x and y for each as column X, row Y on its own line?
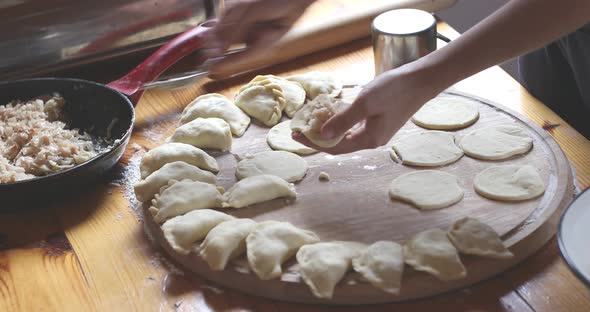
column 427, row 149
column 285, row 165
column 509, row 183
column 498, row 142
column 446, row 113
column 427, row 189
column 279, row 138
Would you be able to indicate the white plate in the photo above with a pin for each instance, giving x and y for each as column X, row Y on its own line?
column 573, row 234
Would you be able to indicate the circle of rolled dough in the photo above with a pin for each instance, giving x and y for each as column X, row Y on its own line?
column 279, row 138
column 285, row 165
column 427, row 149
column 427, row 189
column 446, row 113
column 495, row 143
column 509, row 183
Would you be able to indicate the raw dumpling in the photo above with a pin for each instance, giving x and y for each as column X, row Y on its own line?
column 431, row 251
column 509, row 183
column 226, row 241
column 271, row 243
column 263, row 102
column 382, row 264
column 427, row 189
column 293, row 92
column 279, row 138
column 495, row 143
column 184, row 231
column 447, row 113
column 171, row 152
column 178, row 170
column 476, row 238
column 316, row 83
column 257, row 189
column 310, row 119
column 427, row 149
column 324, row 264
column 284, row 165
column 212, row 133
column 217, row 106
column 181, row 197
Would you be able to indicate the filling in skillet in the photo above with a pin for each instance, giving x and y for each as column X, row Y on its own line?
column 36, row 141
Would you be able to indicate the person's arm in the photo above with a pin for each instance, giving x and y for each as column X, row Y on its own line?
column 386, row 103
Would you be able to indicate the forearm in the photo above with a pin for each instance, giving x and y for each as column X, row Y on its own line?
column 517, row 28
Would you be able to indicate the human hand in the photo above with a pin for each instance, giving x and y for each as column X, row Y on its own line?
column 380, row 110
column 257, row 23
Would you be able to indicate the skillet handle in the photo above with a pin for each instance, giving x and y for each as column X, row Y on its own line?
column 162, row 59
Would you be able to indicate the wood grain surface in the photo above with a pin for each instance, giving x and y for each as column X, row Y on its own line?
column 89, row 253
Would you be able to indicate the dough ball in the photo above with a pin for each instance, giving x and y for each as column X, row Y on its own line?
column 279, row 138
column 446, row 113
column 427, row 189
column 509, row 183
column 310, row 119
column 427, row 149
column 285, row 165
column 498, row 142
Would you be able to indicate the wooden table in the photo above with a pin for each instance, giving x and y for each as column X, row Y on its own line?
column 89, row 253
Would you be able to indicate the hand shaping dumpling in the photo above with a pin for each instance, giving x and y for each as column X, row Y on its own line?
column 316, row 83
column 284, row 165
column 262, row 100
column 476, row 238
column 171, row 152
column 217, row 106
column 293, row 92
column 324, row 264
column 178, row 170
column 181, row 197
column 257, row 189
column 310, row 119
column 226, row 241
column 382, row 264
column 213, row 133
column 271, row 243
column 431, row 251
column 184, row 231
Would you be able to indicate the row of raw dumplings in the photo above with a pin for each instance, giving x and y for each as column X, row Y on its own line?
column 218, row 238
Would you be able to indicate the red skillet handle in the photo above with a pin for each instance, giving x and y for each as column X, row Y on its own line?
column 161, row 60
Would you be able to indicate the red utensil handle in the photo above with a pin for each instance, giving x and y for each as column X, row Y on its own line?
column 160, row 60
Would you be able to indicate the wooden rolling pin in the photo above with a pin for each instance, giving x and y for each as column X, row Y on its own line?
column 305, row 39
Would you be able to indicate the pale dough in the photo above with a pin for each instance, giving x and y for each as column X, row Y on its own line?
column 293, row 92
column 431, row 251
column 271, row 243
column 178, row 198
column 208, row 133
column 257, row 189
column 285, row 165
column 310, row 119
column 473, row 237
column 157, row 157
column 322, row 265
column 382, row 264
column 182, row 232
column 279, row 138
column 217, row 106
column 495, row 143
column 446, row 113
column 427, row 149
column 226, row 241
column 316, row 83
column 324, row 177
column 262, row 102
column 178, row 170
column 427, row 189
column 509, row 183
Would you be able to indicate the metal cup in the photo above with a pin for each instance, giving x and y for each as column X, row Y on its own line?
column 402, row 36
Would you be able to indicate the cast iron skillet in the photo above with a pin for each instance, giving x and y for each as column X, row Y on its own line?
column 92, row 107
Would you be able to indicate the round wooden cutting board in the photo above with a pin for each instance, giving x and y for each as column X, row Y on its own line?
column 354, row 205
